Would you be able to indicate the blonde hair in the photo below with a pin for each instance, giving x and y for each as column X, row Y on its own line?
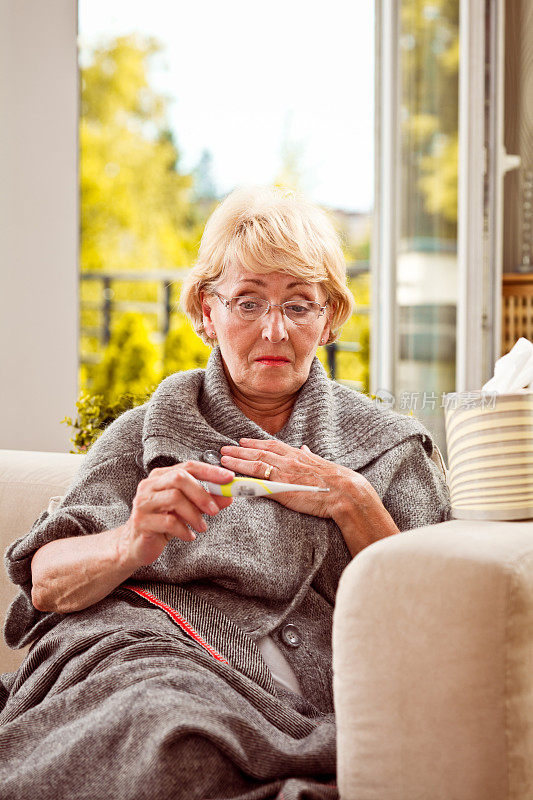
column 269, row 230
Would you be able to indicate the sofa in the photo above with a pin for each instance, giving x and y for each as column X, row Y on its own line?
column 432, row 649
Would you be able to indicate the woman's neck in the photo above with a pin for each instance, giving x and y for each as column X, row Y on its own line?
column 271, row 414
column 271, row 419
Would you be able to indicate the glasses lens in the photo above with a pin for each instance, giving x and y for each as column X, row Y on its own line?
column 302, row 313
column 250, row 307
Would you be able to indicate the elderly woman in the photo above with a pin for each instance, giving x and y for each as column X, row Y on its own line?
column 182, row 641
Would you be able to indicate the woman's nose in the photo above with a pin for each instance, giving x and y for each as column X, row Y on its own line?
column 274, row 327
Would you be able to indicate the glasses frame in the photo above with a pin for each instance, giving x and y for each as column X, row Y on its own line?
column 229, row 303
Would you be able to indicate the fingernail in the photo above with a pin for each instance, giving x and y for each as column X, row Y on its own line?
column 213, row 508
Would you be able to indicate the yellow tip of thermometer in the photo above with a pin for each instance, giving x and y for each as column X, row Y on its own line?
column 255, row 487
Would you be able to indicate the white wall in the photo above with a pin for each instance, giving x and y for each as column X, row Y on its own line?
column 38, row 222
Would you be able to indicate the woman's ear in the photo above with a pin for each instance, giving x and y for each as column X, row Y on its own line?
column 209, row 328
column 327, row 327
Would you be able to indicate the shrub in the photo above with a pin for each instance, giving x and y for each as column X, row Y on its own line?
column 95, row 414
column 128, row 374
column 183, row 349
column 129, row 363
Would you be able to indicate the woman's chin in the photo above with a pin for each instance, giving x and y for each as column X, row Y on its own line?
column 273, row 382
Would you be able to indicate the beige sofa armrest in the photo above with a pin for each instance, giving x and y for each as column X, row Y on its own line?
column 28, row 480
column 433, row 665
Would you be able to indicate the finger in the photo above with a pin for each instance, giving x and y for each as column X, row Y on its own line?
column 222, row 502
column 167, row 525
column 249, row 454
column 209, row 472
column 199, row 470
column 305, row 448
column 173, row 501
column 270, row 445
column 186, row 483
column 255, row 469
column 175, row 529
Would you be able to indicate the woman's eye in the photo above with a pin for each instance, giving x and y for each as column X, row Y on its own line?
column 248, row 305
column 297, row 309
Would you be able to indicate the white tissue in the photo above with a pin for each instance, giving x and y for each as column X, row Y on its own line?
column 514, row 370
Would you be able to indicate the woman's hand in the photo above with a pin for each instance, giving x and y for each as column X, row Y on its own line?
column 166, row 502
column 73, row 573
column 352, row 501
column 291, row 465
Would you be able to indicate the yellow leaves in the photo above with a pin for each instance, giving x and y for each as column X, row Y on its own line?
column 429, row 63
column 135, row 205
column 420, row 128
column 183, row 348
column 137, row 214
column 115, row 86
column 450, row 58
column 439, row 178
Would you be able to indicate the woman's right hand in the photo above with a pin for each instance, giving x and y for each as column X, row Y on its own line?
column 166, row 502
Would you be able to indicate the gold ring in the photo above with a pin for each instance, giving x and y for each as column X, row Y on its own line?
column 268, row 471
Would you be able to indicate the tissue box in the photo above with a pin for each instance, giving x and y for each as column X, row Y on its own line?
column 489, row 438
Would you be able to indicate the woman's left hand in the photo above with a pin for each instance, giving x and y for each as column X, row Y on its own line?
column 293, row 465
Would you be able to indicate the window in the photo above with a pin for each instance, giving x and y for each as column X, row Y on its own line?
column 416, row 249
column 180, row 104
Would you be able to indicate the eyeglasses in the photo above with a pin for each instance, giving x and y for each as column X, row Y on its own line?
column 301, row 312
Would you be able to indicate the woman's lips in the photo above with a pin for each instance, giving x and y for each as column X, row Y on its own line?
column 272, row 360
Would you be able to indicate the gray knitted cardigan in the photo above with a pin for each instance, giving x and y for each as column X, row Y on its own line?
column 259, row 565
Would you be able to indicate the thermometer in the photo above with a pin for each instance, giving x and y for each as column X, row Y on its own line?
column 255, row 487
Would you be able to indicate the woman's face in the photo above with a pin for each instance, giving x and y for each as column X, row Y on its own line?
column 270, row 356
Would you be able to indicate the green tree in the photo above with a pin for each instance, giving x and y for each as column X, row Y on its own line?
column 139, row 209
column 136, row 209
column 429, row 41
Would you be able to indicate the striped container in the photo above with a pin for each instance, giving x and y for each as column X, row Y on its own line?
column 490, row 455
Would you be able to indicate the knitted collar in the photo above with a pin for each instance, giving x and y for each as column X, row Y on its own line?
column 194, row 411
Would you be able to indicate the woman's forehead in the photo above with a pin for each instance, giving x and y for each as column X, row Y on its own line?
column 237, row 275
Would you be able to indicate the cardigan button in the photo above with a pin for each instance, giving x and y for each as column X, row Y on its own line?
column 211, row 457
column 291, row 635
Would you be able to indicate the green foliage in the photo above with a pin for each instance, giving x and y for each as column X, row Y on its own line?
column 139, row 212
column 95, row 414
column 129, row 373
column 136, row 205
